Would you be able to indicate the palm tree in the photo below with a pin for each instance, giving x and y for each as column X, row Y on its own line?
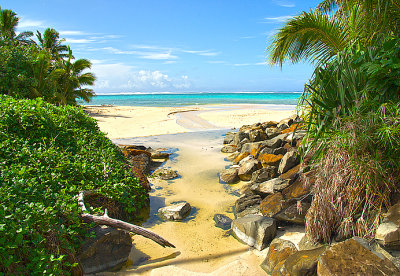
column 319, row 35
column 51, row 42
column 71, row 79
column 8, row 25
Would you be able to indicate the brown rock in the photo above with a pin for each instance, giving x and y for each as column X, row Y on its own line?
column 269, row 187
column 129, row 152
column 272, row 204
column 296, row 190
column 229, row 148
column 290, row 129
column 264, row 174
column 270, row 159
column 301, row 263
column 289, row 160
column 272, row 132
column 293, row 214
column 257, row 135
column 278, row 252
column 246, row 170
column 351, row 258
column 269, row 124
column 229, row 175
column 239, row 157
column 139, row 175
column 290, row 174
column 388, row 232
column 141, row 161
column 306, row 243
column 246, row 201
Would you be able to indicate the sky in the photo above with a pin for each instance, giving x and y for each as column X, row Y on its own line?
column 172, row 45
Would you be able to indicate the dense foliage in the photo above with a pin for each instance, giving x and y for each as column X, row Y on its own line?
column 40, row 68
column 351, row 108
column 48, row 154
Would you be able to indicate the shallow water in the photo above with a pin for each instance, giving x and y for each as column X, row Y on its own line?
column 200, row 246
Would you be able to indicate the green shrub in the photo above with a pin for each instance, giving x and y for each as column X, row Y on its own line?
column 48, row 154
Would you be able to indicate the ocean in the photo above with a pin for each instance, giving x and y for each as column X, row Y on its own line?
column 184, row 99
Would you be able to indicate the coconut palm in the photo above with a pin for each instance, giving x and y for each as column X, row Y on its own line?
column 8, row 24
column 71, row 80
column 51, row 42
column 319, row 35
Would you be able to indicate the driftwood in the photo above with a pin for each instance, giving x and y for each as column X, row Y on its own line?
column 106, row 220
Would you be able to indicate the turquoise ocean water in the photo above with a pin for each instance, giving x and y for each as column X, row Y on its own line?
column 183, row 99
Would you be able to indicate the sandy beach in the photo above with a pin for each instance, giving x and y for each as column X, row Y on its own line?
column 201, row 248
column 141, row 121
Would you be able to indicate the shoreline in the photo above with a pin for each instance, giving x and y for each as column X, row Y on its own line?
column 142, row 121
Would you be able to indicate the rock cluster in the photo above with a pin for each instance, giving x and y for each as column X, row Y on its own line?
column 266, row 156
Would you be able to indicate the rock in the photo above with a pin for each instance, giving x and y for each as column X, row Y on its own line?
column 257, row 135
column 292, row 215
column 272, row 132
column 130, row 151
column 231, row 157
column 108, row 248
column 289, row 160
column 270, row 159
column 142, row 162
column 279, row 151
column 301, row 263
column 306, row 243
column 351, row 258
column 222, row 221
column 244, row 141
column 246, row 201
column 166, row 174
column 272, row 204
column 240, row 157
column 229, row 149
column 255, row 230
column 239, row 137
column 229, row 175
column 264, row 150
column 278, row 252
column 177, row 211
column 229, row 138
column 291, row 174
column 139, row 175
column 368, row 246
column 269, row 124
column 269, row 187
column 275, row 142
column 252, row 210
column 388, row 232
column 160, row 155
column 253, row 148
column 246, row 169
column 295, row 190
column 282, row 126
column 264, row 174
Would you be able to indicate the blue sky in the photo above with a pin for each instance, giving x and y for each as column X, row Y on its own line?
column 172, row 45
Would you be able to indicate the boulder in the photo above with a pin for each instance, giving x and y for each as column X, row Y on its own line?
column 270, row 159
column 279, row 151
column 244, row 141
column 108, row 248
column 130, row 151
column 246, row 201
column 351, row 258
column 306, row 243
column 278, row 252
column 289, row 160
column 222, row 221
column 257, row 135
column 229, row 148
column 272, row 204
column 141, row 161
column 160, row 154
column 255, row 230
column 239, row 137
column 165, row 174
column 269, row 187
column 252, row 210
column 269, row 124
column 264, row 174
column 229, row 175
column 240, row 157
column 291, row 174
column 264, row 150
column 275, row 142
column 231, row 157
column 272, row 132
column 246, row 169
column 177, row 211
column 302, row 262
column 139, row 175
column 229, row 138
column 294, row 214
column 388, row 232
column 253, row 148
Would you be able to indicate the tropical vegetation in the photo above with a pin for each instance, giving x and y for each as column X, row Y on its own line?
column 43, row 68
column 351, row 108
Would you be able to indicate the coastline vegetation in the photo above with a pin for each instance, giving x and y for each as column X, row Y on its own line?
column 50, row 150
column 351, row 108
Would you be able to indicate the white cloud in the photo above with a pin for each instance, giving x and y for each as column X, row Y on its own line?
column 285, row 3
column 78, row 40
column 206, row 53
column 158, row 56
column 72, row 33
column 119, row 76
column 25, row 23
column 278, row 19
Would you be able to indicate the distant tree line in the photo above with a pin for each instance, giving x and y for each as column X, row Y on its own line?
column 42, row 67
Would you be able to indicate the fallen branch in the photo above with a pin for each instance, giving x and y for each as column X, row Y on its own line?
column 106, row 220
